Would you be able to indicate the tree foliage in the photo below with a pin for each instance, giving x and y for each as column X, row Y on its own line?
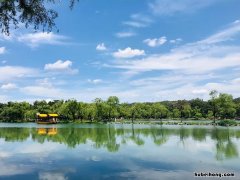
column 220, row 106
column 28, row 12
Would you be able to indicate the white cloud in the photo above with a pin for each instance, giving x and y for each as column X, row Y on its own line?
column 175, row 41
column 40, row 91
column 2, row 50
column 134, row 24
column 61, row 66
column 101, row 47
column 95, row 81
column 170, row 80
column 156, row 41
column 224, row 35
column 202, row 56
column 4, row 37
column 45, row 82
column 12, row 72
column 200, row 91
column 13, row 169
column 128, row 53
column 4, row 99
column 188, row 71
column 52, row 176
column 167, row 7
column 125, row 34
column 141, row 18
column 138, row 21
column 4, row 154
column 9, row 86
column 36, row 39
column 187, row 62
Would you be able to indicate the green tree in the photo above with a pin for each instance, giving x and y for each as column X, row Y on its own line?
column 99, row 108
column 124, row 111
column 226, row 106
column 30, row 115
column 210, row 114
column 42, row 106
column 90, row 112
column 199, row 107
column 71, row 109
column 186, row 111
column 159, row 111
column 113, row 103
column 196, row 113
column 81, row 110
column 214, row 103
column 176, row 113
column 238, row 109
column 56, row 106
column 135, row 111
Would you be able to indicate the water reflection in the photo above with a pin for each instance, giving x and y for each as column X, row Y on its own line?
column 116, row 151
column 47, row 131
column 112, row 137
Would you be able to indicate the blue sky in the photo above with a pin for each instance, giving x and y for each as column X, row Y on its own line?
column 136, row 50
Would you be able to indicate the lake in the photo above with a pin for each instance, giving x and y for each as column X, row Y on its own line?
column 117, row 151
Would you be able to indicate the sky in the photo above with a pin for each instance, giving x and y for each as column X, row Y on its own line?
column 140, row 51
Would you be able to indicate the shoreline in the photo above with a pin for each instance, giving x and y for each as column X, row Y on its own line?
column 225, row 123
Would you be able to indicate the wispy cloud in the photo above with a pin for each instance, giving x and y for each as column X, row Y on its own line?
column 4, row 37
column 52, row 175
column 138, row 21
column 125, row 34
column 95, row 81
column 2, row 50
column 46, row 82
column 41, row 91
column 128, row 53
column 134, row 24
column 193, row 57
column 176, row 41
column 189, row 70
column 187, row 62
column 35, row 39
column 101, row 47
column 13, row 72
column 156, row 41
column 168, row 7
column 61, row 66
column 9, row 86
column 224, row 35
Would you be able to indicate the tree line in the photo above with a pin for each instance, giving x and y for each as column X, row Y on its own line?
column 219, row 106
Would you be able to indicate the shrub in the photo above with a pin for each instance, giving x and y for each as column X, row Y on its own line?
column 227, row 123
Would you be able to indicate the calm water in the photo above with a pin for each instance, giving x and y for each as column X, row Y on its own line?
column 116, row 151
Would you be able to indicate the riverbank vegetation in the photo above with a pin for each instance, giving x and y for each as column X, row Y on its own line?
column 219, row 106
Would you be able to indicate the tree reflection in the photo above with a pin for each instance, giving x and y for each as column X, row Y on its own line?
column 112, row 137
column 225, row 148
column 159, row 135
column 14, row 134
column 135, row 136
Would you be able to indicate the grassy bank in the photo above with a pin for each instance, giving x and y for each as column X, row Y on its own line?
column 227, row 122
column 186, row 122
